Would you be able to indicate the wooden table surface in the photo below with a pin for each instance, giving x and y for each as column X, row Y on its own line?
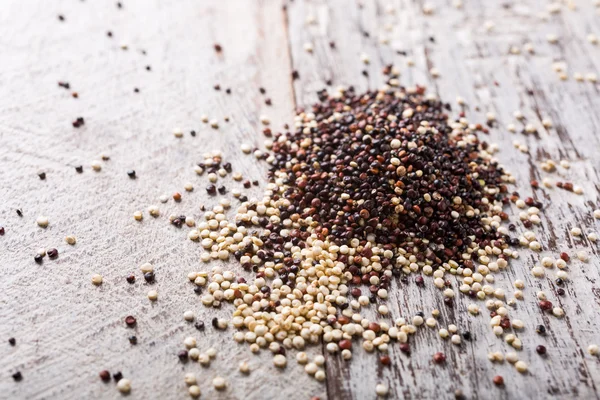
column 67, row 330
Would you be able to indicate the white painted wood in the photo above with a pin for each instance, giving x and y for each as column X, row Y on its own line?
column 67, row 330
column 476, row 65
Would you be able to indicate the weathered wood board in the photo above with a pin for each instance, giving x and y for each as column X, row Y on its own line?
column 67, row 330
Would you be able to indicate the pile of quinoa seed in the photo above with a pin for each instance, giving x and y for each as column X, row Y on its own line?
column 365, row 190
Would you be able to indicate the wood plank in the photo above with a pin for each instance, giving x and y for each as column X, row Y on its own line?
column 67, row 331
column 477, row 66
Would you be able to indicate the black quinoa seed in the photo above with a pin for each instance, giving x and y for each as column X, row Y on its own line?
column 38, row 258
column 52, row 253
column 149, row 277
column 117, row 376
column 541, row 329
column 131, row 174
column 183, row 355
column 17, row 376
column 12, row 341
column 79, row 169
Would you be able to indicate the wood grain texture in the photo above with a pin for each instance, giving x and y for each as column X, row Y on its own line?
column 477, row 66
column 67, row 330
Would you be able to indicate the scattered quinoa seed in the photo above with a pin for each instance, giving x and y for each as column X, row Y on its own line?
column 97, row 279
column 42, row 221
column 279, row 361
column 124, row 385
column 219, row 383
column 104, row 375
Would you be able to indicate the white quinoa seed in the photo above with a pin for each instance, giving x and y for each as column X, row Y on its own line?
column 97, row 279
column 319, row 360
column 279, row 361
column 124, row 385
column 146, row 267
column 189, row 342
column 152, row 295
column 194, row 353
column 246, row 148
column 582, row 256
column 521, row 366
column 204, row 359
column 190, row 378
column 189, row 316
column 428, row 9
column 311, row 368
column 244, row 367
column 320, row 375
column 42, row 221
column 538, row 272
column 381, row 389
column 211, row 352
column 219, row 383
column 512, row 357
column 558, row 312
column 194, row 391
column 153, row 211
